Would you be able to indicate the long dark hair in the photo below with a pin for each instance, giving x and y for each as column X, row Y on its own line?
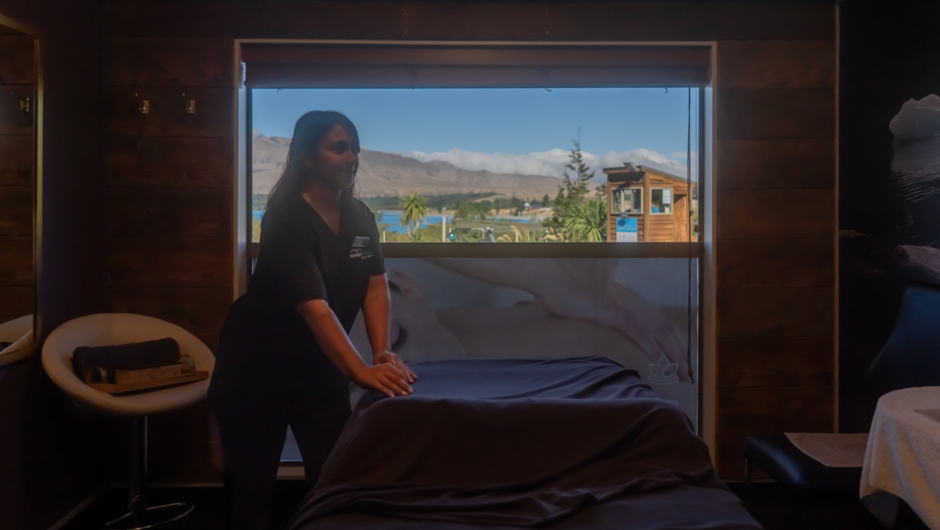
column 308, row 132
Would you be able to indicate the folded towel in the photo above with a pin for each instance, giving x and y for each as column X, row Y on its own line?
column 132, row 356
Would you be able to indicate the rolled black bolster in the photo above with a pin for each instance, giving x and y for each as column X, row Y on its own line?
column 132, row 356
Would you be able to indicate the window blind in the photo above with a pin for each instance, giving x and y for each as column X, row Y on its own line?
column 472, row 66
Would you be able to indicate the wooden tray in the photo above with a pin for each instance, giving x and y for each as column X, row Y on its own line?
column 120, row 388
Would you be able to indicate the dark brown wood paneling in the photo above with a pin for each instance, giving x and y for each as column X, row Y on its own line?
column 763, row 362
column 776, row 64
column 759, row 214
column 157, row 161
column 746, row 263
column 16, row 261
column 16, row 160
column 167, row 115
column 16, row 211
column 593, row 21
column 169, row 62
column 745, row 411
column 170, row 263
column 729, row 458
column 14, row 120
column 776, row 114
column 199, row 310
column 786, row 163
column 17, row 60
column 18, row 300
column 775, row 313
column 170, row 212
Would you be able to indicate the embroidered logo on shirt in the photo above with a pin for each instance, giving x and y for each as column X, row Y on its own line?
column 360, row 253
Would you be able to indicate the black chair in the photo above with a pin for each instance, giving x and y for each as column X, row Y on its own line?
column 910, row 358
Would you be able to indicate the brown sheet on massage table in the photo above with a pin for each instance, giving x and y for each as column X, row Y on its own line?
column 500, row 444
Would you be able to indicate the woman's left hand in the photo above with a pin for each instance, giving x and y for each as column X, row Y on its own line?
column 394, row 360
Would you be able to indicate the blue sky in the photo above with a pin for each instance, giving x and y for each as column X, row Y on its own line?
column 502, row 130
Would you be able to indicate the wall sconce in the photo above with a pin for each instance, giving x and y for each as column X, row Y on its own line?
column 144, row 106
column 190, row 106
column 24, row 105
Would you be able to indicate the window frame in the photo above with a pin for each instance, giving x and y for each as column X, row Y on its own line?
column 635, row 189
column 694, row 249
column 671, row 204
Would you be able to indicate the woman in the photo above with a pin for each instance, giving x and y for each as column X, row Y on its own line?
column 285, row 358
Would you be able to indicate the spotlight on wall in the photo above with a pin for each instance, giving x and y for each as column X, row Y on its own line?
column 144, row 106
column 190, row 106
column 24, row 105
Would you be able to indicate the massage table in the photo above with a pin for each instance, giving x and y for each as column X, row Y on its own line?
column 508, row 444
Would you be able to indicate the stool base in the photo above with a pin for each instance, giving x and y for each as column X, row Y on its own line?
column 144, row 518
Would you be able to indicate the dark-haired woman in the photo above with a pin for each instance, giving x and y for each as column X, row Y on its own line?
column 285, row 358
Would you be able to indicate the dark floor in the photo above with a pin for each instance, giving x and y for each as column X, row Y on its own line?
column 771, row 504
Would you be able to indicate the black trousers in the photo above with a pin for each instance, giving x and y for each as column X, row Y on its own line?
column 252, row 436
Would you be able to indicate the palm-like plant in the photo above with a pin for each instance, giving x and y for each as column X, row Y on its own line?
column 587, row 221
column 525, row 236
column 415, row 210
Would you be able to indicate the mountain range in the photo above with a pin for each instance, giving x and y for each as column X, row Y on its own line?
column 382, row 174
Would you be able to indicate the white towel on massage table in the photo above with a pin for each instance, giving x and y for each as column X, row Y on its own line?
column 903, row 455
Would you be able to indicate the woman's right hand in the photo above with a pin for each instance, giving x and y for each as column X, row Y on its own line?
column 386, row 378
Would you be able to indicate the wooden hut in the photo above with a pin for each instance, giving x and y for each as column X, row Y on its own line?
column 650, row 204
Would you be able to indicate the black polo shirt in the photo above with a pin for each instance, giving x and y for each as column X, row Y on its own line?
column 266, row 349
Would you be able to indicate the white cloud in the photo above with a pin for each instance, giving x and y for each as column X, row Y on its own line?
column 552, row 162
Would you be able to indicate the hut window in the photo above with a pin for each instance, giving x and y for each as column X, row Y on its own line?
column 660, row 201
column 626, row 200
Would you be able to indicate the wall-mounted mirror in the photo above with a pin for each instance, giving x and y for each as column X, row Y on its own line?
column 20, row 130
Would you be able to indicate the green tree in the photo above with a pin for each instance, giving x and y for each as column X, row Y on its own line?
column 587, row 221
column 546, row 200
column 415, row 210
column 571, row 193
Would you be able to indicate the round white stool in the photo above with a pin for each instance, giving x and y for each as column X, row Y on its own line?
column 108, row 329
column 18, row 332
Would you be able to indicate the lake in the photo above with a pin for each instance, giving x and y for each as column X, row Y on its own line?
column 393, row 219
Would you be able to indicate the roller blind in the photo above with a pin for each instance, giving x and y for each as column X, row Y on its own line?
column 438, row 66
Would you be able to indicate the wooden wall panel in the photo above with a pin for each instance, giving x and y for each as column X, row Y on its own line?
column 775, row 313
column 379, row 20
column 18, row 66
column 158, row 161
column 170, row 263
column 14, row 120
column 18, row 300
column 783, row 361
column 16, row 211
column 168, row 62
column 16, row 261
column 793, row 213
column 777, row 64
column 775, row 249
column 16, row 160
column 776, row 114
column 776, row 163
column 200, row 311
column 170, row 212
column 167, row 116
column 771, row 410
column 747, row 263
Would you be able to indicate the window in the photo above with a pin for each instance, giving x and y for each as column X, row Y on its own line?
column 482, row 134
column 487, row 164
column 626, row 200
column 660, row 201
